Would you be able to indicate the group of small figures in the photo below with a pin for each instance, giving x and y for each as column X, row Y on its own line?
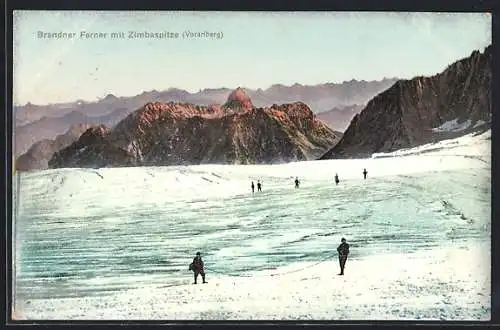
column 297, row 182
column 337, row 181
column 197, row 265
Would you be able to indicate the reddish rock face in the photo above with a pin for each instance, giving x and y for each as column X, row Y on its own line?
column 238, row 101
column 406, row 114
column 182, row 133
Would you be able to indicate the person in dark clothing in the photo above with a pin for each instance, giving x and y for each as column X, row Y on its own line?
column 297, row 182
column 253, row 188
column 197, row 267
column 365, row 173
column 343, row 251
column 337, row 179
column 259, row 186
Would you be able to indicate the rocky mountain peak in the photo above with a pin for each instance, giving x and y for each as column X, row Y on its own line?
column 238, row 100
column 422, row 110
column 94, row 133
column 160, row 134
column 110, row 97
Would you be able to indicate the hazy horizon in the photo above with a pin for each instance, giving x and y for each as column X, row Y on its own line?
column 250, row 49
column 202, row 89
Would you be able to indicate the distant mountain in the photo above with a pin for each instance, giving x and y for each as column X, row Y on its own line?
column 182, row 133
column 45, row 122
column 321, row 97
column 339, row 118
column 48, row 128
column 38, row 156
column 421, row 110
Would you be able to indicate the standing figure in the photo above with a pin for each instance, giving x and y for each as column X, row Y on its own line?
column 253, row 188
column 343, row 251
column 259, row 186
column 365, row 173
column 297, row 182
column 337, row 179
column 197, row 267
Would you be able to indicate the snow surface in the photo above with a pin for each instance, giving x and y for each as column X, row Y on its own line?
column 446, row 283
column 479, row 123
column 453, row 126
column 114, row 243
column 462, row 146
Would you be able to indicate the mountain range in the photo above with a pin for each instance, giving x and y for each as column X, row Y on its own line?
column 408, row 113
column 36, row 122
column 39, row 154
column 340, row 117
column 237, row 132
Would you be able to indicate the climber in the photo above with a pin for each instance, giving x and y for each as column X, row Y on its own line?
column 259, row 186
column 365, row 173
column 253, row 187
column 297, row 182
column 336, row 179
column 343, row 251
column 197, row 267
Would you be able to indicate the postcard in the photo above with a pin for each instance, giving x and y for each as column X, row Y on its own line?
column 251, row 165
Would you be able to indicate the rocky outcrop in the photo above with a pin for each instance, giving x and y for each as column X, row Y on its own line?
column 38, row 156
column 183, row 133
column 92, row 149
column 238, row 101
column 420, row 110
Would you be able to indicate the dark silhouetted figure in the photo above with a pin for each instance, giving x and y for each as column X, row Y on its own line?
column 197, row 267
column 337, row 178
column 365, row 173
column 253, row 188
column 297, row 182
column 259, row 186
column 343, row 251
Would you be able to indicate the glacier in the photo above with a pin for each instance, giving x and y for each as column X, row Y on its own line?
column 453, row 126
column 115, row 243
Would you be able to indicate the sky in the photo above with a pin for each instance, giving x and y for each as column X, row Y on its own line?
column 253, row 50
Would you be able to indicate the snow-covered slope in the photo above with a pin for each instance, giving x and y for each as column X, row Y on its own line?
column 116, row 242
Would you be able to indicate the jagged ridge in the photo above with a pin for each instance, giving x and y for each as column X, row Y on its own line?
column 182, row 133
column 405, row 114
